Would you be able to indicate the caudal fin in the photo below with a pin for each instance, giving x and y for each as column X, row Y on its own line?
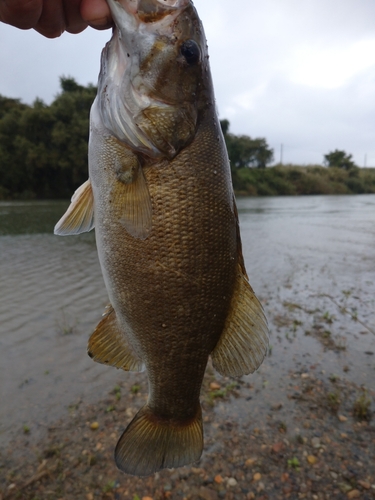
column 150, row 444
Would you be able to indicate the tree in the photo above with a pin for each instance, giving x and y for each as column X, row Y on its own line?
column 243, row 151
column 43, row 149
column 339, row 159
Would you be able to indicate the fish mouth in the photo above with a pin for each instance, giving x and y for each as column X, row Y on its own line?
column 146, row 38
column 146, row 11
column 138, row 20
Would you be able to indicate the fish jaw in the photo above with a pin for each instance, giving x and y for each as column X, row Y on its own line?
column 151, row 70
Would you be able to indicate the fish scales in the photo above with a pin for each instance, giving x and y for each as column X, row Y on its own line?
column 184, row 271
column 160, row 196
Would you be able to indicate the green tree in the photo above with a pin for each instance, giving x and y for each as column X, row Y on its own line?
column 339, row 159
column 243, row 151
column 43, row 149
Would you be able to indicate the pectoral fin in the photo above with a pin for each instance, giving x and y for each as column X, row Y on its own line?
column 131, row 197
column 137, row 209
column 108, row 345
column 79, row 218
column 244, row 341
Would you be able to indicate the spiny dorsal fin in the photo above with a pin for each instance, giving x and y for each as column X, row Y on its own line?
column 131, row 198
column 151, row 443
column 79, row 218
column 108, row 345
column 244, row 341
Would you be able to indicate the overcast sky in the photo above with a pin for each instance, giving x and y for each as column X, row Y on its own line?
column 299, row 73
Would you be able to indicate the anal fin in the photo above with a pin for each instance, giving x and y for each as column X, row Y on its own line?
column 244, row 341
column 79, row 218
column 108, row 345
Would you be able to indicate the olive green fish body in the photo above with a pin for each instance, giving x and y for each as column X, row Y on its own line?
column 160, row 196
column 171, row 292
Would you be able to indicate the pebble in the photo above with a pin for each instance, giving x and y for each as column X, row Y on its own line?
column 207, row 494
column 342, row 418
column 214, row 386
column 232, row 481
column 94, row 426
column 315, row 442
column 218, row 479
column 257, row 476
column 250, row 461
column 303, row 488
column 90, row 496
column 365, row 485
column 354, row 494
column 312, row 459
column 277, row 447
column 261, row 486
column 147, row 498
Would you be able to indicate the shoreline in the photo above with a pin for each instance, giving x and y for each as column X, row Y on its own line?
column 325, row 448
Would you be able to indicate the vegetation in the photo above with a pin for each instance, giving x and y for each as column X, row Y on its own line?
column 43, row 154
column 339, row 159
column 295, row 180
column 244, row 151
column 43, row 149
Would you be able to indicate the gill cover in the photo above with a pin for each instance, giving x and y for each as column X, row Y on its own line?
column 151, row 70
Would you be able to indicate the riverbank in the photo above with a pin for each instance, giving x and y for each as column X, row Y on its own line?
column 291, row 180
column 280, row 180
column 324, row 449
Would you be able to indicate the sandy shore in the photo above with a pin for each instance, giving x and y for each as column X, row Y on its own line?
column 319, row 444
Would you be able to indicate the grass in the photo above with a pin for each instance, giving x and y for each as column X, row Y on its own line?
column 362, row 406
column 290, row 180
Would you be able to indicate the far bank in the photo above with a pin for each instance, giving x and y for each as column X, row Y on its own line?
column 289, row 180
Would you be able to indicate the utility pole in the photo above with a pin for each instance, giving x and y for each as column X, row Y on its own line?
column 281, row 154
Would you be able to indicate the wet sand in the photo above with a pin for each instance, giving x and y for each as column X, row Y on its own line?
column 300, row 427
column 318, row 444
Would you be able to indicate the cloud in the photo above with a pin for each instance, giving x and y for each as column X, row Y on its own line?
column 331, row 67
column 297, row 73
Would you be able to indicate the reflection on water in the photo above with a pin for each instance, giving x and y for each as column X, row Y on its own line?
column 30, row 217
column 309, row 259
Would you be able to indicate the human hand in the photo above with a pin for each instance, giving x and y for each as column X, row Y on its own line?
column 52, row 17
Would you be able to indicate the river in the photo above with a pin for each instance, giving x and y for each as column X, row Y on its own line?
column 311, row 260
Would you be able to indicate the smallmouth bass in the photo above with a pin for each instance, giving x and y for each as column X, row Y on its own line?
column 160, row 196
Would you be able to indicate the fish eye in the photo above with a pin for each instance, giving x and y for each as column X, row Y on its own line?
column 191, row 52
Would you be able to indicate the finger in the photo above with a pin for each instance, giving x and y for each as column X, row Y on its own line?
column 73, row 18
column 96, row 13
column 20, row 13
column 52, row 21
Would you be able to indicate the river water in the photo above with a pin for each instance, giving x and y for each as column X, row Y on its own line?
column 311, row 260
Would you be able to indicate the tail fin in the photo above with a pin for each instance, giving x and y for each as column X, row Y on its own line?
column 150, row 444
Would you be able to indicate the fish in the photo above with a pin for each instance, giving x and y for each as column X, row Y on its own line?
column 160, row 197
